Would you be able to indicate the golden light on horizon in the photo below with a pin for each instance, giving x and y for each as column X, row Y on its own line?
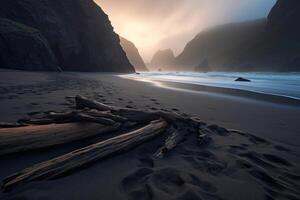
column 154, row 24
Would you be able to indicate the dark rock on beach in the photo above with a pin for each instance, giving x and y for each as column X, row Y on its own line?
column 79, row 33
column 240, row 79
column 23, row 47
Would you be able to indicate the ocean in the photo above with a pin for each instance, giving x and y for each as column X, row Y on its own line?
column 279, row 84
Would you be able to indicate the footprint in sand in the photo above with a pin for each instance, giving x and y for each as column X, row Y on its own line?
column 277, row 160
column 165, row 110
column 34, row 113
column 281, row 148
column 169, row 182
column 267, row 179
column 257, row 159
column 146, row 161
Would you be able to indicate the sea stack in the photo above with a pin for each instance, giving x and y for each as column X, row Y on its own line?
column 163, row 59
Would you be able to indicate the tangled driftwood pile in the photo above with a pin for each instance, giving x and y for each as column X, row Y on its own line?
column 91, row 118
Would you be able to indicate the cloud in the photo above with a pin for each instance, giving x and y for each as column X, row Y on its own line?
column 160, row 24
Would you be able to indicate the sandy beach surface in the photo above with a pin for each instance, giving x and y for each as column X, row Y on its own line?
column 250, row 169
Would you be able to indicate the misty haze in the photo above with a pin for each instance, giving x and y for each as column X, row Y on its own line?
column 150, row 99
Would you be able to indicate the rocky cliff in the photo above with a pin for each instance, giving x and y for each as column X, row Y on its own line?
column 78, row 31
column 163, row 59
column 284, row 17
column 221, row 46
column 284, row 31
column 24, row 47
column 133, row 54
column 263, row 45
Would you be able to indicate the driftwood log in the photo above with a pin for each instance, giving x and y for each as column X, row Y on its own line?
column 90, row 118
column 59, row 166
column 13, row 140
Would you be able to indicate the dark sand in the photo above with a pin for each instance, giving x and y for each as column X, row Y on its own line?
column 135, row 175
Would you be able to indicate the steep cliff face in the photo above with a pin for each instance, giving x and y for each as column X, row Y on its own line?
column 284, row 17
column 284, row 31
column 24, row 47
column 133, row 54
column 221, row 47
column 163, row 59
column 78, row 31
column 263, row 45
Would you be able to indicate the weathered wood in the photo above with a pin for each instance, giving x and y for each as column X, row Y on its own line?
column 130, row 114
column 13, row 140
column 136, row 115
column 91, row 115
column 74, row 116
column 66, row 127
column 11, row 125
column 170, row 143
column 204, row 136
column 105, row 114
column 177, row 136
column 81, row 117
column 44, row 121
column 61, row 115
column 65, row 164
column 83, row 102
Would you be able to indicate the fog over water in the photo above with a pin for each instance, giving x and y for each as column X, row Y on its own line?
column 160, row 24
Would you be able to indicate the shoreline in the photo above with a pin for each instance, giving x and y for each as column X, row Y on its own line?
column 215, row 90
column 270, row 98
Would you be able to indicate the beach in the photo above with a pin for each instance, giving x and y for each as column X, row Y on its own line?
column 25, row 94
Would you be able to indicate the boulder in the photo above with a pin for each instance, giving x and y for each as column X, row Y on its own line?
column 240, row 79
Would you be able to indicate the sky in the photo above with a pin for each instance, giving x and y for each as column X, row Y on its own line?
column 161, row 24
